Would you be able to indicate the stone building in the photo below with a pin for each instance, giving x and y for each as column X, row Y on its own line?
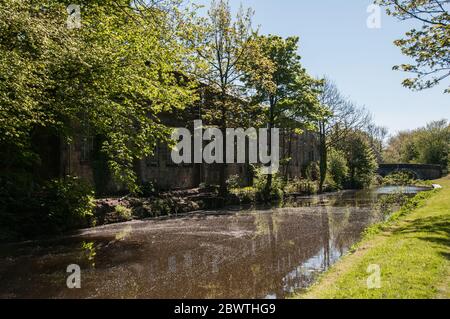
column 83, row 158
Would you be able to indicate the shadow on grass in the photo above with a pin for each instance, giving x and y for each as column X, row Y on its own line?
column 436, row 230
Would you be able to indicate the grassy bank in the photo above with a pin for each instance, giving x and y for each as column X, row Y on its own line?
column 412, row 250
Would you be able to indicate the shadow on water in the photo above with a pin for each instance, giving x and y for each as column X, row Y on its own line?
column 256, row 253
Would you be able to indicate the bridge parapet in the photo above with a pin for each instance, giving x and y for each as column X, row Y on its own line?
column 421, row 171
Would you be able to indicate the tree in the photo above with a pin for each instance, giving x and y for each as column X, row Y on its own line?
column 429, row 46
column 221, row 46
column 284, row 87
column 433, row 143
column 344, row 118
column 337, row 167
column 112, row 77
column 362, row 164
column 427, row 145
column 377, row 136
column 401, row 149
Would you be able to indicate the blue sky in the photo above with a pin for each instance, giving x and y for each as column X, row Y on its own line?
column 335, row 41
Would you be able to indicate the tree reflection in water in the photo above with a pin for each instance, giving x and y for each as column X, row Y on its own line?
column 249, row 254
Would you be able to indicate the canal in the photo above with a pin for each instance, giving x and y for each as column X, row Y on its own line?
column 235, row 253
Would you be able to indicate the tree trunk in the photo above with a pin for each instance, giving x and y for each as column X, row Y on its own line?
column 270, row 126
column 323, row 155
column 289, row 155
column 223, row 190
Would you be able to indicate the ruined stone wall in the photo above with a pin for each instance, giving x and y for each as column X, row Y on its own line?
column 303, row 150
column 163, row 173
column 78, row 159
column 74, row 162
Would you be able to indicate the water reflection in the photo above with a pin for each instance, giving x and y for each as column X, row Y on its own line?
column 265, row 253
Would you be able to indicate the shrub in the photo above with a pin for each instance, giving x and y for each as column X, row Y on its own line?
column 313, row 171
column 246, row 195
column 57, row 206
column 124, row 212
column 234, row 181
column 161, row 207
column 337, row 168
column 399, row 178
column 302, row 186
column 68, row 203
column 260, row 184
column 148, row 189
column 362, row 162
column 387, row 203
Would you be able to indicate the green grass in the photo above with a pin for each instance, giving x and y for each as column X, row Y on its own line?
column 412, row 250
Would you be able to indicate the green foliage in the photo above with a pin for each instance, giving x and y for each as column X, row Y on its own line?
column 111, row 77
column 275, row 192
column 124, row 212
column 312, row 171
column 90, row 251
column 280, row 188
column 387, row 203
column 220, row 45
column 57, row 206
column 161, row 207
column 361, row 161
column 279, row 81
column 337, row 168
column 429, row 45
column 148, row 189
column 283, row 84
column 400, row 179
column 234, row 181
column 343, row 119
column 428, row 145
column 401, row 149
column 68, row 203
column 433, row 143
column 246, row 195
column 301, row 186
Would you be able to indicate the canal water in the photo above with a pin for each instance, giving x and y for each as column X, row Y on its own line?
column 234, row 253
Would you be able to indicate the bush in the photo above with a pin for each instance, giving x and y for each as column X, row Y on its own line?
column 148, row 189
column 161, row 207
column 302, row 186
column 57, row 206
column 68, row 203
column 124, row 212
column 313, row 171
column 337, row 168
column 400, row 179
column 246, row 195
column 260, row 184
column 389, row 202
column 362, row 162
column 234, row 181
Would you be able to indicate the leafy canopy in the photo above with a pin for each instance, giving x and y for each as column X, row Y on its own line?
column 112, row 77
column 429, row 46
column 283, row 84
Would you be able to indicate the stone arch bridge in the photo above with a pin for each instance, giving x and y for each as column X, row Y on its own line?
column 419, row 171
